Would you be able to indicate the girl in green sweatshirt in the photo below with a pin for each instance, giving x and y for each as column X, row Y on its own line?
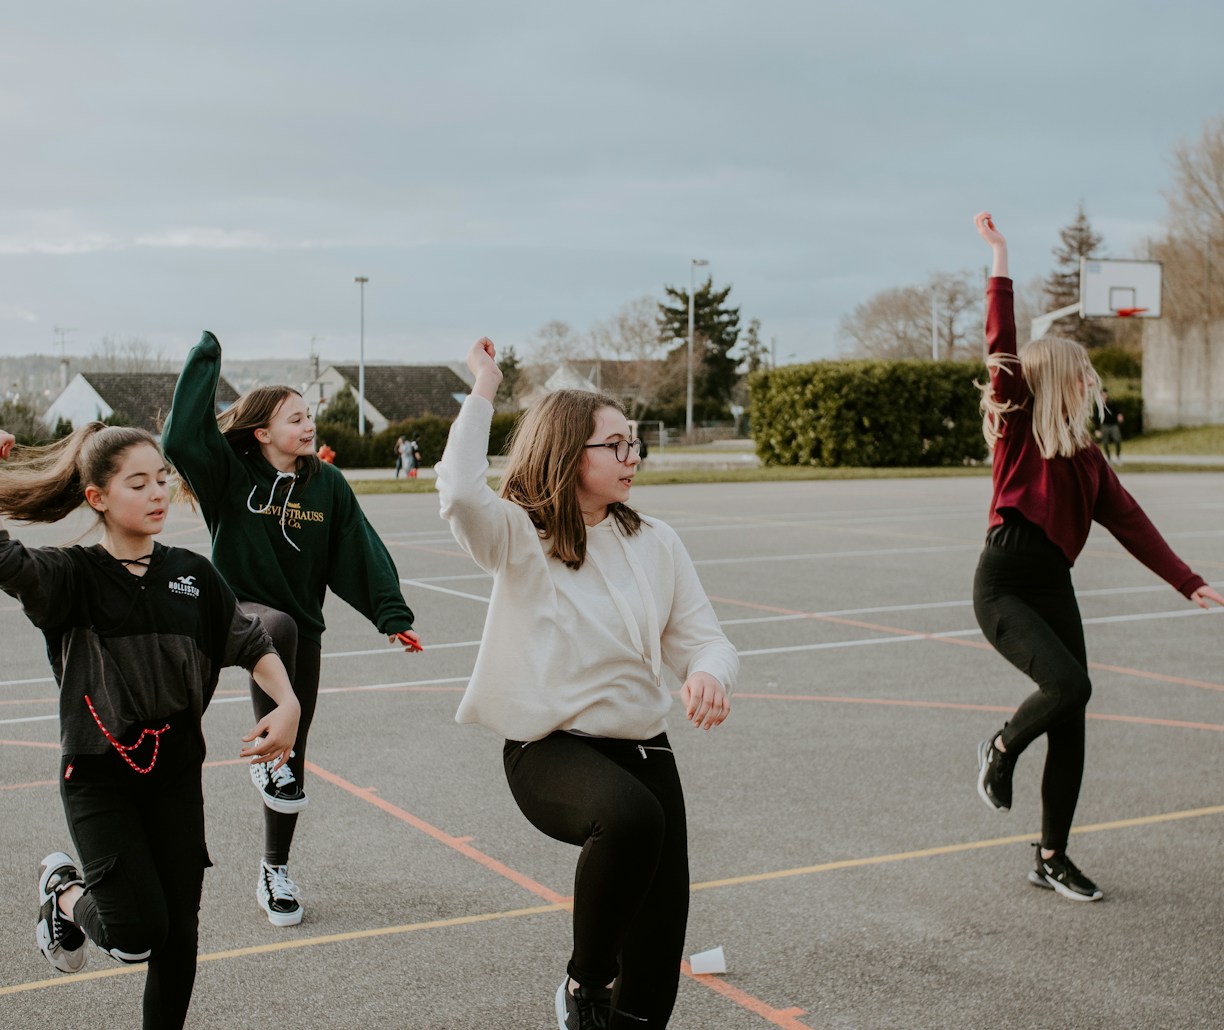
column 285, row 528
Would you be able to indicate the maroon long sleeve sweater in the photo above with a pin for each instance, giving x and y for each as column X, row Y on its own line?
column 1063, row 496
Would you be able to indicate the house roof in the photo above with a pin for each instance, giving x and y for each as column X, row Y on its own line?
column 409, row 391
column 143, row 398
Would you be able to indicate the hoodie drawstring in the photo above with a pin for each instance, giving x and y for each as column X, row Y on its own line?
column 292, row 477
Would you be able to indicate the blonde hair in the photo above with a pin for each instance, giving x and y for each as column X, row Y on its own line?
column 46, row 484
column 546, row 451
column 1064, row 390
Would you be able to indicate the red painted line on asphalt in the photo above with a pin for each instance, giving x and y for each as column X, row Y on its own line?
column 31, row 743
column 461, row 845
column 786, row 1018
column 457, row 843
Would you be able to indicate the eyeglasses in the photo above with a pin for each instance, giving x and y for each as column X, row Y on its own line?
column 621, row 448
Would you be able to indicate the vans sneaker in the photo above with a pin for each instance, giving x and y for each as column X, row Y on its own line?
column 995, row 774
column 62, row 942
column 588, row 1008
column 1060, row 874
column 278, row 895
column 279, row 788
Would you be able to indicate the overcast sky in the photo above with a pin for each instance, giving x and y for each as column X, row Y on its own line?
column 491, row 166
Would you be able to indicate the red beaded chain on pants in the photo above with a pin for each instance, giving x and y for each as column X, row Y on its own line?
column 122, row 749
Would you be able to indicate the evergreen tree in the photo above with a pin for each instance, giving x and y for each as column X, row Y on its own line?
column 1062, row 286
column 715, row 332
column 512, row 371
column 341, row 411
column 754, row 351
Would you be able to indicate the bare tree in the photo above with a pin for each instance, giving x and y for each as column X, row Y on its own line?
column 896, row 323
column 127, row 354
column 1192, row 250
column 630, row 338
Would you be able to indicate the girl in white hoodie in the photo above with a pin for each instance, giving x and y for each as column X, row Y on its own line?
column 590, row 600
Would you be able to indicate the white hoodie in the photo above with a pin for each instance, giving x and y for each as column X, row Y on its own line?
column 573, row 649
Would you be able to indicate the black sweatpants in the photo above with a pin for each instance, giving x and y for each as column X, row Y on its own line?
column 1025, row 605
column 302, row 659
column 140, row 841
column 621, row 802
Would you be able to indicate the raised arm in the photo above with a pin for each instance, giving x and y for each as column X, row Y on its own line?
column 482, row 362
column 481, row 521
column 1006, row 382
column 191, row 438
column 998, row 245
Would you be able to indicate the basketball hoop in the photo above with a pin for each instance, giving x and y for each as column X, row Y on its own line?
column 1129, row 312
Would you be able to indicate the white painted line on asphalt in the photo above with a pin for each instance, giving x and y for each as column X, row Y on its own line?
column 872, row 553
column 443, row 590
column 395, row 649
column 833, row 644
column 18, row 683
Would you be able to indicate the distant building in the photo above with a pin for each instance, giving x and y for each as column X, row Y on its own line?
column 631, row 382
column 393, row 393
column 140, row 399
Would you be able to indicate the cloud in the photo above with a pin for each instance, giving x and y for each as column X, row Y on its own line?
column 13, row 313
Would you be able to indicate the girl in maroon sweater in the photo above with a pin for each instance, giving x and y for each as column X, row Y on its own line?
column 1050, row 484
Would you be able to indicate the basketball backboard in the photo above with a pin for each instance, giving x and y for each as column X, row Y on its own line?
column 1119, row 289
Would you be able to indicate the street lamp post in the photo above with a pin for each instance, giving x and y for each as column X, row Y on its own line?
column 694, row 264
column 361, row 280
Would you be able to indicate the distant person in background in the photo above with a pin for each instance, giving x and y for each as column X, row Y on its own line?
column 399, row 455
column 1050, row 484
column 412, row 456
column 1110, row 431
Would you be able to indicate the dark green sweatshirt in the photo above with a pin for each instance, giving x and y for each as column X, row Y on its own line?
column 278, row 539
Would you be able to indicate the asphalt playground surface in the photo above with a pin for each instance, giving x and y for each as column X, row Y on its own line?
column 839, row 852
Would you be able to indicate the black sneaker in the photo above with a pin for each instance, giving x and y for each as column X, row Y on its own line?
column 61, row 942
column 278, row 895
column 995, row 774
column 588, row 1008
column 1060, row 874
column 279, row 789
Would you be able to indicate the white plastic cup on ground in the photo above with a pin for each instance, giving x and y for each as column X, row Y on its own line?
column 712, row 961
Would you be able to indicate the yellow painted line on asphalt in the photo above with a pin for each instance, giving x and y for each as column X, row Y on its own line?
column 517, row 913
column 952, row 849
column 301, row 942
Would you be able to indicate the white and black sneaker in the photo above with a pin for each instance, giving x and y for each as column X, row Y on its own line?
column 279, row 788
column 61, row 942
column 278, row 895
column 995, row 770
column 1059, row 873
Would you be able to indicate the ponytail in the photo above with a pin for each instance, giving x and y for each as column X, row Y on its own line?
column 46, row 484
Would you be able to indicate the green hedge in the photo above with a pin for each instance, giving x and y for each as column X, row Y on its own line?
column 377, row 450
column 1130, row 406
column 876, row 414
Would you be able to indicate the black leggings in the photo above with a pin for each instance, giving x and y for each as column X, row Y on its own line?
column 1026, row 607
column 302, row 659
column 621, row 802
column 140, row 842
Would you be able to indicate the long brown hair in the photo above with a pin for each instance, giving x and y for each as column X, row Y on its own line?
column 541, row 477
column 46, row 484
column 253, row 410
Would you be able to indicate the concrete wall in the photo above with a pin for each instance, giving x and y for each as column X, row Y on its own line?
column 1183, row 376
